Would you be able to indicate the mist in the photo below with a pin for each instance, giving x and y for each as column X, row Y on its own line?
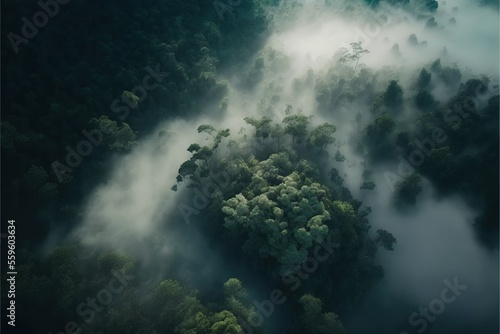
column 137, row 213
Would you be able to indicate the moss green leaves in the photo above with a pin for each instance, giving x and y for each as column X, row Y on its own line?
column 281, row 215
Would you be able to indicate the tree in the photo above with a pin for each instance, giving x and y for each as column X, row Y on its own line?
column 393, row 96
column 335, row 177
column 424, row 79
column 439, row 163
column 234, row 288
column 312, row 307
column 339, row 157
column 120, row 137
column 369, row 185
column 198, row 166
column 277, row 132
column 236, row 298
column 413, row 40
column 431, row 23
column 187, row 168
column 115, row 261
column 380, row 127
column 280, row 213
column 173, row 304
column 385, row 239
column 316, row 322
column 436, row 66
column 355, row 54
column 296, row 126
column 425, row 101
column 451, row 76
column 131, row 99
column 225, row 323
column 262, row 126
column 406, row 191
column 378, row 137
column 214, row 134
column 322, row 135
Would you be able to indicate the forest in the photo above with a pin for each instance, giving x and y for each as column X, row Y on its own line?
column 250, row 166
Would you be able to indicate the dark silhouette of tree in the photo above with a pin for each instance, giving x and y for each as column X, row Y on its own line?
column 357, row 51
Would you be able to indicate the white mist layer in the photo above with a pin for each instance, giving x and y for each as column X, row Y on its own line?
column 435, row 240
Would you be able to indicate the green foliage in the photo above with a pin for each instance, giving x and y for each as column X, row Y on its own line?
column 339, row 157
column 380, row 128
column 131, row 98
column 236, row 298
column 385, row 239
column 48, row 103
column 262, row 126
column 275, row 205
column 296, row 126
column 439, row 163
column 64, row 258
column 174, row 304
column 225, row 323
column 207, row 128
column 198, row 166
column 316, row 322
column 335, row 177
column 436, row 66
column 114, row 261
column 119, row 137
column 357, row 51
column 450, row 76
column 322, row 135
column 193, row 148
column 425, row 101
column 281, row 214
column 393, row 96
column 406, row 191
column 234, row 288
column 368, row 185
column 187, row 168
column 424, row 79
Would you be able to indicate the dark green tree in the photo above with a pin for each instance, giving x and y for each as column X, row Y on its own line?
column 385, row 239
column 296, row 126
column 393, row 96
column 406, row 191
column 322, row 135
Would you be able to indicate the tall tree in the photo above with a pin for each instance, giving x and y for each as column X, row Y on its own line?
column 357, row 51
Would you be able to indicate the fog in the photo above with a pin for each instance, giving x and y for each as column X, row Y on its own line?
column 137, row 213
